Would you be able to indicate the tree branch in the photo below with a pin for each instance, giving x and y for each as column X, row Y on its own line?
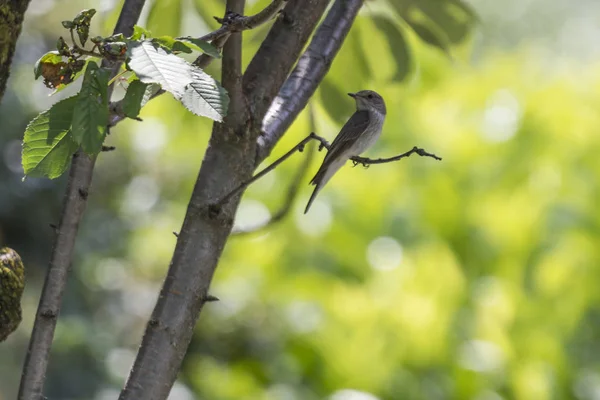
column 290, row 196
column 80, row 178
column 323, row 144
column 278, row 53
column 308, row 74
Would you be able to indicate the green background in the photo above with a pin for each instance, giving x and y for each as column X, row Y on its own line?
column 471, row 278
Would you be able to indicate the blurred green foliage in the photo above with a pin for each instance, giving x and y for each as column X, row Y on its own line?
column 470, row 278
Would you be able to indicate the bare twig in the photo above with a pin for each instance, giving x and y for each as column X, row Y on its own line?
column 307, row 75
column 80, row 178
column 234, row 22
column 323, row 144
column 290, row 196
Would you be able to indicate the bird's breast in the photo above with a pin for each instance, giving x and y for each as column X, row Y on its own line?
column 370, row 135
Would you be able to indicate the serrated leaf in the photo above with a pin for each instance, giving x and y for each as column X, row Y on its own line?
column 202, row 46
column 204, row 96
column 152, row 64
column 48, row 145
column 51, row 57
column 132, row 102
column 91, row 111
column 398, row 46
column 165, row 17
column 150, row 91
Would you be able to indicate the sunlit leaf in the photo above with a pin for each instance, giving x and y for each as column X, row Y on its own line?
column 140, row 33
column 204, row 96
column 152, row 64
column 202, row 46
column 48, row 145
column 52, row 57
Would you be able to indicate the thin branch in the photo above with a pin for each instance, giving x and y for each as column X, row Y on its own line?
column 290, row 196
column 231, row 69
column 235, row 22
column 308, row 74
column 80, row 178
column 323, row 144
column 278, row 53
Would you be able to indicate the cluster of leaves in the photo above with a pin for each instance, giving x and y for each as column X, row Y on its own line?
column 82, row 121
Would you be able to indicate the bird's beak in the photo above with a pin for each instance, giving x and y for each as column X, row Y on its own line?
column 352, row 95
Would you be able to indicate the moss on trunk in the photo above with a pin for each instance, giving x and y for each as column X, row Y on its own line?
column 11, row 20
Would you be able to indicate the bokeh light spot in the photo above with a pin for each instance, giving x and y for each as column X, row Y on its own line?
column 384, row 253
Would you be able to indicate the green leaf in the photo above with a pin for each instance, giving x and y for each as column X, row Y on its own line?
column 398, row 46
column 48, row 145
column 202, row 46
column 140, row 33
column 132, row 102
column 172, row 45
column 52, row 57
column 438, row 23
column 429, row 36
column 337, row 104
column 452, row 17
column 152, row 64
column 91, row 111
column 204, row 96
column 165, row 17
column 84, row 17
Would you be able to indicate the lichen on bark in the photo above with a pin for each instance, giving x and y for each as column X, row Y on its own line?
column 12, row 282
column 11, row 20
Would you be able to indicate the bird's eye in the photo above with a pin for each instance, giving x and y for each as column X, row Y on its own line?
column 370, row 96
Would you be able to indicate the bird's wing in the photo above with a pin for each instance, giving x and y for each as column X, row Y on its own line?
column 350, row 132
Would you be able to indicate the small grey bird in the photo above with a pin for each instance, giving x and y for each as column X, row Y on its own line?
column 358, row 134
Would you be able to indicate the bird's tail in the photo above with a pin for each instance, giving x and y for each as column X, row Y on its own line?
column 318, row 187
column 322, row 177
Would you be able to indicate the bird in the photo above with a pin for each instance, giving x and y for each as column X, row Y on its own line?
column 359, row 133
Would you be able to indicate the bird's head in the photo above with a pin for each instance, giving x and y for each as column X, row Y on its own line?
column 369, row 100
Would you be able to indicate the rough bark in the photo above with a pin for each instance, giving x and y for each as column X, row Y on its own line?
column 12, row 13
